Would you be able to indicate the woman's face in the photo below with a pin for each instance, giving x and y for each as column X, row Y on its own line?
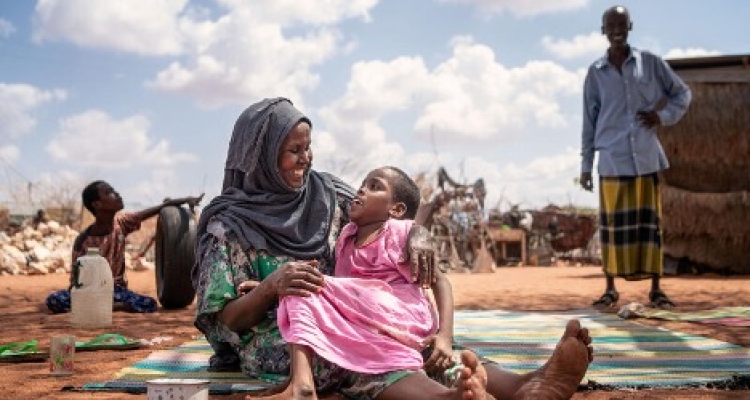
column 295, row 155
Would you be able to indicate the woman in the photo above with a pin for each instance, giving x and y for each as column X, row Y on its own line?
column 275, row 214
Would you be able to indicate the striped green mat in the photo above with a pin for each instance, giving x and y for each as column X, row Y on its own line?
column 187, row 361
column 728, row 316
column 626, row 354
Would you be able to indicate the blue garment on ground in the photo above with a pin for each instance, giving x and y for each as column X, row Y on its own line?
column 59, row 301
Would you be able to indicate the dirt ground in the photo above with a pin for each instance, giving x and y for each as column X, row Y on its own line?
column 23, row 317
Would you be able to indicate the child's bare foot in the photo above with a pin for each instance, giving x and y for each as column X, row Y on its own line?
column 472, row 384
column 290, row 392
column 559, row 378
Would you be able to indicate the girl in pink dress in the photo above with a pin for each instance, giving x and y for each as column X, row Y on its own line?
column 370, row 318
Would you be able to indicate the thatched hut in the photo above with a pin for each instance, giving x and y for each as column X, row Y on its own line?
column 706, row 190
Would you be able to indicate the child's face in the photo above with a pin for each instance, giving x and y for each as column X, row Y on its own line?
column 374, row 201
column 109, row 199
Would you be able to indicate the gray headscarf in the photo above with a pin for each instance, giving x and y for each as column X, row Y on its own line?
column 256, row 205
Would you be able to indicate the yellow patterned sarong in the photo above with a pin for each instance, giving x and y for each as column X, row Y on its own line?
column 630, row 226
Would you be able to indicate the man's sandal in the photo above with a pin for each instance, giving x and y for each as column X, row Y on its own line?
column 608, row 299
column 660, row 300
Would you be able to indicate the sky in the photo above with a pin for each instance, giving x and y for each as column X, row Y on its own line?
column 144, row 93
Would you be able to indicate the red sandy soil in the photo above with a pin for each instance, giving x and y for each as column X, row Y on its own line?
column 24, row 317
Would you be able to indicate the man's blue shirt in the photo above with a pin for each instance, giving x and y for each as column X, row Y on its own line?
column 611, row 101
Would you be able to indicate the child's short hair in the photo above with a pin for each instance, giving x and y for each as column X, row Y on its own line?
column 406, row 191
column 91, row 194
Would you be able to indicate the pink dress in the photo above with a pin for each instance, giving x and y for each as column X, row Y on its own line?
column 369, row 318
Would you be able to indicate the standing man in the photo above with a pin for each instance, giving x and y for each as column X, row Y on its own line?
column 627, row 94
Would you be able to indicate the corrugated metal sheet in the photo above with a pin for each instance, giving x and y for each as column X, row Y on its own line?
column 716, row 69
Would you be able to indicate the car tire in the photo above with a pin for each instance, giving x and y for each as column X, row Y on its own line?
column 174, row 253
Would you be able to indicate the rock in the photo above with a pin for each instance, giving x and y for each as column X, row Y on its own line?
column 30, row 244
column 43, row 229
column 37, row 268
column 15, row 255
column 8, row 265
column 34, row 252
column 39, row 253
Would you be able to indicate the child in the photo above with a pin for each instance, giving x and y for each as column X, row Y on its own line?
column 370, row 318
column 108, row 233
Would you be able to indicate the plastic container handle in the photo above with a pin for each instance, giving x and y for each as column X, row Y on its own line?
column 76, row 271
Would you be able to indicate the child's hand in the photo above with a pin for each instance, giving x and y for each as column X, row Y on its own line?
column 247, row 286
column 194, row 201
column 420, row 252
column 442, row 354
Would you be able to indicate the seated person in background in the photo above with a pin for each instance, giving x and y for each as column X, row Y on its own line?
column 39, row 218
column 108, row 233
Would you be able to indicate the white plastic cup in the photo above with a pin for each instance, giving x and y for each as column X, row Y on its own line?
column 177, row 389
column 62, row 354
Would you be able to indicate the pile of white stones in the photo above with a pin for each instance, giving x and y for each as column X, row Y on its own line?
column 44, row 250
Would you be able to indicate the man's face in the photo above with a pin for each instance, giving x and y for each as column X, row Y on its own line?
column 616, row 25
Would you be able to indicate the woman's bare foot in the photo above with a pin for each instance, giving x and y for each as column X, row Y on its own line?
column 559, row 378
column 472, row 384
column 290, row 392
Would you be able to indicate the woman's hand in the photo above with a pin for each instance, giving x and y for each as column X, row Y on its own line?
column 247, row 286
column 420, row 252
column 296, row 278
column 441, row 357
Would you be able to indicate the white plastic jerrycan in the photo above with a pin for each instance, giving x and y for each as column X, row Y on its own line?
column 91, row 291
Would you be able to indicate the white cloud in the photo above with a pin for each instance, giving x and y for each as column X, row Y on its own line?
column 17, row 102
column 690, row 52
column 151, row 189
column 523, row 8
column 9, row 154
column 477, row 98
column 246, row 53
column 6, row 28
column 242, row 52
column 306, row 12
column 146, row 27
column 579, row 46
column 374, row 89
column 94, row 139
column 469, row 96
